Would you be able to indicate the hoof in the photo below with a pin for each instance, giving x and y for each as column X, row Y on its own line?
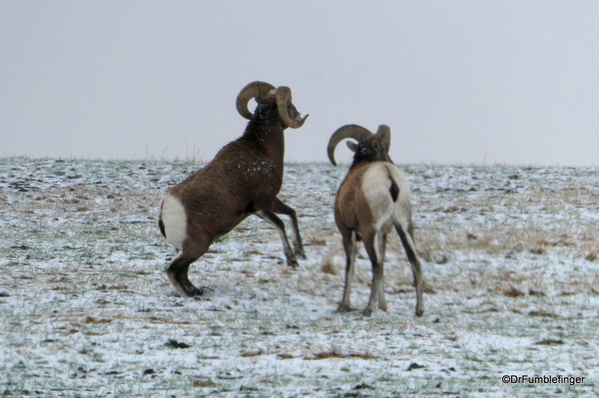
column 292, row 263
column 344, row 308
column 367, row 312
column 195, row 292
column 300, row 254
column 419, row 313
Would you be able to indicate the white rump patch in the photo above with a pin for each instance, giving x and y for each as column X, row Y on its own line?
column 375, row 188
column 174, row 220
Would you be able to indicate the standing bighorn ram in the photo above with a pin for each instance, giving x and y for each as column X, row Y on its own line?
column 373, row 198
column 243, row 179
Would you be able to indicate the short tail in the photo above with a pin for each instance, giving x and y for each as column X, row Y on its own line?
column 160, row 223
column 161, row 226
column 393, row 189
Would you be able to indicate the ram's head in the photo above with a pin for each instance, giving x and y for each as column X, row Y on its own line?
column 263, row 92
column 369, row 147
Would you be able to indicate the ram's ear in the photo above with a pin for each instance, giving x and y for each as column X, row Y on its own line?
column 352, row 146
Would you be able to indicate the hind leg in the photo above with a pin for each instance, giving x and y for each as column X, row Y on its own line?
column 177, row 273
column 179, row 267
column 382, row 246
column 406, row 234
column 349, row 245
column 372, row 243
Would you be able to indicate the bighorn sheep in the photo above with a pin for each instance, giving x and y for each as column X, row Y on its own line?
column 244, row 178
column 373, row 197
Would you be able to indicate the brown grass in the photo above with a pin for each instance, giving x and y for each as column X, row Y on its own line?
column 328, row 267
column 338, row 354
column 252, row 353
column 516, row 229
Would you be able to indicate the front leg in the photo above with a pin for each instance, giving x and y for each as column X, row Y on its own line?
column 282, row 208
column 280, row 226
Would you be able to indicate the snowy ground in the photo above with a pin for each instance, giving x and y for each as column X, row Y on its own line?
column 510, row 254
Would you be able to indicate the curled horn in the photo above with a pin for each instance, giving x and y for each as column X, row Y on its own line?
column 384, row 135
column 283, row 97
column 252, row 90
column 354, row 131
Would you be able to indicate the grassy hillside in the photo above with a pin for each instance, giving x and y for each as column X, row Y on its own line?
column 509, row 254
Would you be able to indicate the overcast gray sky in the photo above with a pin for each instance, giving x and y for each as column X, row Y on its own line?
column 458, row 82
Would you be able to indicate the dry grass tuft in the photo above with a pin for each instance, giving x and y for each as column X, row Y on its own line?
column 513, row 292
column 544, row 314
column 286, row 355
column 203, row 382
column 91, row 319
column 428, row 288
column 328, row 267
column 550, row 342
column 338, row 354
column 533, row 292
column 252, row 353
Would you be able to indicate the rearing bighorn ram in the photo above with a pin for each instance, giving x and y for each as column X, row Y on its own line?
column 244, row 178
column 373, row 198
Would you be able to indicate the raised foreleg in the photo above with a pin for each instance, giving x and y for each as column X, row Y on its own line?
column 280, row 227
column 282, row 208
